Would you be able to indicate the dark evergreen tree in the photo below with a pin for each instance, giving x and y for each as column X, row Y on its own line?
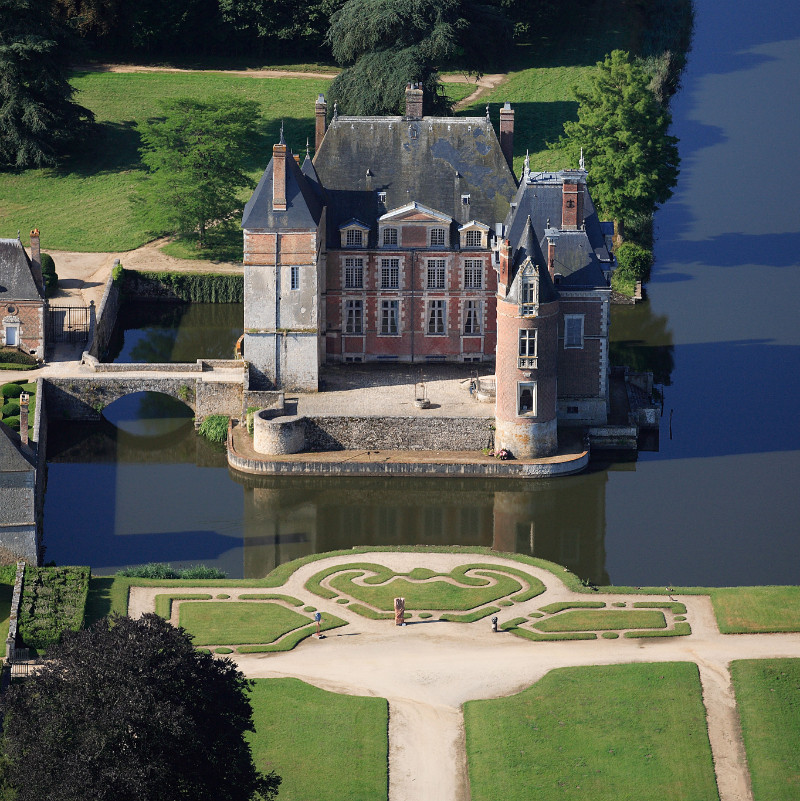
column 128, row 710
column 385, row 44
column 624, row 132
column 38, row 119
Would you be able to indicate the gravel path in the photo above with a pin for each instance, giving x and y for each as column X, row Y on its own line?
column 427, row 670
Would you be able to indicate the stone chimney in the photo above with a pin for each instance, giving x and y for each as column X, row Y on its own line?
column 23, row 417
column 413, row 101
column 36, row 260
column 279, row 176
column 507, row 133
column 571, row 204
column 552, row 239
column 321, row 116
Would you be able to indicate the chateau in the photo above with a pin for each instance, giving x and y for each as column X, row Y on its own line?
column 409, row 239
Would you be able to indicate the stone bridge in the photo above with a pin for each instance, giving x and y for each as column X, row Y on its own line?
column 205, row 387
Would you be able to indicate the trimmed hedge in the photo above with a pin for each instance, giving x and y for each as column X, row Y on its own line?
column 12, row 422
column 189, row 287
column 10, row 390
column 10, row 409
column 53, row 600
column 14, row 356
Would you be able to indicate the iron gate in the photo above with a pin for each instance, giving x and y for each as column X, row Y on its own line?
column 70, row 323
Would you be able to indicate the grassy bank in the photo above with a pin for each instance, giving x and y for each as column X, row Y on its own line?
column 324, row 745
column 621, row 732
column 768, row 696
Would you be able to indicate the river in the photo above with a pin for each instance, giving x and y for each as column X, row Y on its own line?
column 718, row 504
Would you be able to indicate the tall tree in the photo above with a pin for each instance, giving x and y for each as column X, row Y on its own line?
column 623, row 130
column 38, row 119
column 385, row 44
column 128, row 710
column 195, row 154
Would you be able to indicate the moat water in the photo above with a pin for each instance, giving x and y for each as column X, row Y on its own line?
column 717, row 504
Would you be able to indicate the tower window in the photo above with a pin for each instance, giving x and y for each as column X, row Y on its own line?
column 526, row 398
column 295, row 277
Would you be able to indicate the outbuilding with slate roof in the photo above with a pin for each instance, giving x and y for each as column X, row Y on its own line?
column 22, row 301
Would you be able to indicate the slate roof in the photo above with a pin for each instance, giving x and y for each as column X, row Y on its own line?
column 303, row 200
column 582, row 255
column 12, row 460
column 16, row 279
column 433, row 161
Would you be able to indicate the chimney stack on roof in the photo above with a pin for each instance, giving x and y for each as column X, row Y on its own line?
column 23, row 417
column 571, row 204
column 321, row 116
column 414, row 101
column 36, row 260
column 507, row 134
column 552, row 239
column 279, row 176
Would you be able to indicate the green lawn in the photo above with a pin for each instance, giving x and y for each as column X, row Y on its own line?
column 85, row 205
column 768, row 696
column 238, row 622
column 325, row 746
column 6, row 590
column 741, row 610
column 603, row 620
column 424, row 589
column 612, row 733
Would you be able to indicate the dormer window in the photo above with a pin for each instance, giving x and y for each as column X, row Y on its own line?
column 438, row 236
column 474, row 234
column 465, row 200
column 354, row 234
column 381, row 197
column 472, row 239
column 389, row 236
column 529, row 293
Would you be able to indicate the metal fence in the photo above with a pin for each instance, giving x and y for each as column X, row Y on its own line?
column 69, row 323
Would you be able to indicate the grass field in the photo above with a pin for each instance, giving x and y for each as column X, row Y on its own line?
column 768, row 696
column 86, row 204
column 747, row 610
column 6, row 591
column 237, row 623
column 603, row 620
column 619, row 733
column 325, row 746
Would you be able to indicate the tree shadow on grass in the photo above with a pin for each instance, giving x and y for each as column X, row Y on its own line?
column 108, row 147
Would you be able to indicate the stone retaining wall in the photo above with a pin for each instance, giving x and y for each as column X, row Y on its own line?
column 398, row 433
column 105, row 319
column 494, row 469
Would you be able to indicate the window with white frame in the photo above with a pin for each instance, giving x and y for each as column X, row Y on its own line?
column 438, row 236
column 354, row 317
column 465, row 200
column 390, row 273
column 528, row 341
column 573, row 330
column 436, row 317
column 354, row 238
column 472, row 316
column 389, row 236
column 390, row 317
column 529, row 294
column 473, row 274
column 381, row 196
column 436, row 274
column 472, row 239
column 526, row 398
column 353, row 273
column 294, row 277
column 12, row 336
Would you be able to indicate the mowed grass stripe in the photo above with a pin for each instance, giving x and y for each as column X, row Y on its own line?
column 325, row 746
column 238, row 623
column 611, row 733
column 86, row 204
column 768, row 697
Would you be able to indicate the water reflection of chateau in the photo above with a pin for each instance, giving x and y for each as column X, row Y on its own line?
column 564, row 521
